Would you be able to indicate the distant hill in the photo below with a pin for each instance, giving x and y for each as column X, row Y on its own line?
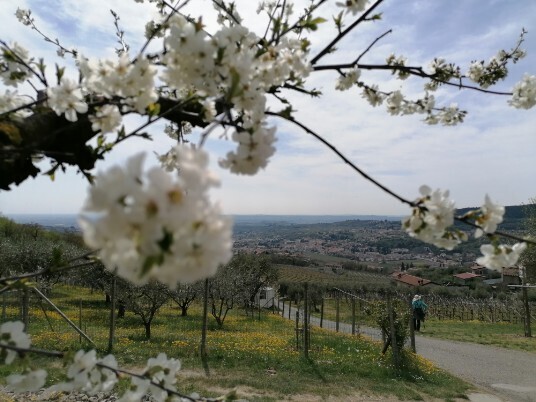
column 514, row 216
column 307, row 219
column 511, row 211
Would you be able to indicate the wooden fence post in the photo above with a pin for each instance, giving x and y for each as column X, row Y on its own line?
column 528, row 332
column 353, row 316
column 305, row 320
column 337, row 314
column 203, row 346
column 322, row 313
column 80, row 318
column 25, row 309
column 298, row 329
column 289, row 307
column 394, row 345
column 411, row 326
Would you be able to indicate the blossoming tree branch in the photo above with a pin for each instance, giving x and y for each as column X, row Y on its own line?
column 159, row 223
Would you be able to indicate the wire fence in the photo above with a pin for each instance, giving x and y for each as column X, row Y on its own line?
column 374, row 315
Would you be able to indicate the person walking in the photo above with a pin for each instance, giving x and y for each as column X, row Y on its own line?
column 419, row 311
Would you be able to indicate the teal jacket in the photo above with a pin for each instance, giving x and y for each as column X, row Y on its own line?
column 419, row 304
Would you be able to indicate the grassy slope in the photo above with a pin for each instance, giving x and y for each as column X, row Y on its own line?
column 259, row 356
column 501, row 334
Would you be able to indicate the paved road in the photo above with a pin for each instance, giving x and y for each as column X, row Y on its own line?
column 508, row 374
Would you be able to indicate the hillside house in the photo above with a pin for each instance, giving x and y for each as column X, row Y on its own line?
column 265, row 297
column 467, row 277
column 401, row 278
column 511, row 276
column 478, row 269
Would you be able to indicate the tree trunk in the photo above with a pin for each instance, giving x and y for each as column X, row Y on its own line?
column 147, row 326
column 111, row 334
column 184, row 311
column 203, row 346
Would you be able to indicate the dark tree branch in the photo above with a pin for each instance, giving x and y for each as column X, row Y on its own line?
column 413, row 70
column 45, row 133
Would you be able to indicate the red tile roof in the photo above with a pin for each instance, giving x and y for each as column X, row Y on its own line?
column 409, row 279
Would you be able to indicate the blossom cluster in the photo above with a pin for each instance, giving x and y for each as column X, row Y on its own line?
column 67, row 99
column 89, row 374
column 348, row 79
column 12, row 334
column 353, row 6
column 132, row 81
column 499, row 256
column 11, row 100
column 524, row 93
column 399, row 61
column 487, row 74
column 155, row 225
column 433, row 216
column 159, row 370
column 229, row 64
column 397, row 104
column 14, row 65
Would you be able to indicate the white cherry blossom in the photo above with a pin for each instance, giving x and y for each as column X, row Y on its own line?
column 12, row 334
column 67, row 98
column 163, row 371
column 431, row 218
column 524, row 96
column 154, row 225
column 373, row 95
column 502, row 256
column 106, row 119
column 30, row 381
column 13, row 63
column 348, row 80
column 492, row 215
column 353, row 6
column 10, row 100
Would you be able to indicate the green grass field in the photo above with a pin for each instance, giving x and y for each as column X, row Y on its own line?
column 295, row 274
column 503, row 334
column 259, row 357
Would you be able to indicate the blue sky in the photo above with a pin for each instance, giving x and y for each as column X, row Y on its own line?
column 492, row 152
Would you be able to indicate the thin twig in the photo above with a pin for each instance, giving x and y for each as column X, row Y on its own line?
column 174, row 10
column 44, row 271
column 54, row 353
column 372, row 44
column 341, row 35
column 25, row 106
column 148, row 123
column 21, row 61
